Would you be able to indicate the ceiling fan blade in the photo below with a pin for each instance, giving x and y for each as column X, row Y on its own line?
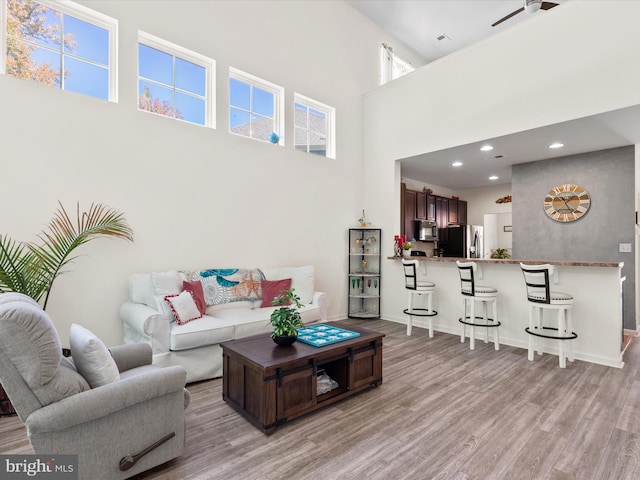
column 548, row 5
column 509, row 16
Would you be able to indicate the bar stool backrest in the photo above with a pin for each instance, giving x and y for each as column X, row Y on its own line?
column 467, row 278
column 410, row 275
column 536, row 278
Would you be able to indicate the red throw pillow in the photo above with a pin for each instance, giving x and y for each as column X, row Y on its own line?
column 272, row 288
column 197, row 293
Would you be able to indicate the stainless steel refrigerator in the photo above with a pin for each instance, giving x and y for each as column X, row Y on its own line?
column 464, row 241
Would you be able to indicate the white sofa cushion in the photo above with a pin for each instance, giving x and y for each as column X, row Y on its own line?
column 204, row 331
column 166, row 283
column 145, row 287
column 302, row 279
column 247, row 322
column 214, row 309
column 140, row 289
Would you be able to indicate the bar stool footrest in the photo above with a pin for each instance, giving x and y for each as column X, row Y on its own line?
column 467, row 321
column 553, row 337
column 420, row 312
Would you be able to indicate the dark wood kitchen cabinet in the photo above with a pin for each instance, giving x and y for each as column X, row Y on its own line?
column 444, row 211
column 462, row 212
column 457, row 212
column 408, row 208
column 431, row 208
column 442, row 216
column 421, row 206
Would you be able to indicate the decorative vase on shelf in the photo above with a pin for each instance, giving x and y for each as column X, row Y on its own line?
column 406, row 253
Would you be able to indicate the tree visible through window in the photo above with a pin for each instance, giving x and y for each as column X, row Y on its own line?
column 60, row 49
column 174, row 81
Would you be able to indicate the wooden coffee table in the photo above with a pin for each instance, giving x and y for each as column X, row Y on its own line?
column 271, row 385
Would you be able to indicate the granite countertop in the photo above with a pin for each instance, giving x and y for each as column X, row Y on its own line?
column 566, row 263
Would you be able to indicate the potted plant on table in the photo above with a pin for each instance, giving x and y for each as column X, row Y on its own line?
column 286, row 319
column 406, row 249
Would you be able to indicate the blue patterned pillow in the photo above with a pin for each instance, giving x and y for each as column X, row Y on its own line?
column 226, row 285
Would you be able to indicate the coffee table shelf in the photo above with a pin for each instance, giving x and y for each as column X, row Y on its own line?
column 271, row 385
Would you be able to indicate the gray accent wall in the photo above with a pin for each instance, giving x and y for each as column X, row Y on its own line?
column 608, row 176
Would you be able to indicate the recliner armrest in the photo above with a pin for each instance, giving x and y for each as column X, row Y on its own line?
column 131, row 355
column 103, row 401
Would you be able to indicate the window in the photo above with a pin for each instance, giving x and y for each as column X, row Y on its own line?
column 255, row 107
column 61, row 44
column 314, row 127
column 175, row 82
column 392, row 66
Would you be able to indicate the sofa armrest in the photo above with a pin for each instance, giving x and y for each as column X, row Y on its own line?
column 322, row 300
column 103, row 401
column 131, row 356
column 145, row 324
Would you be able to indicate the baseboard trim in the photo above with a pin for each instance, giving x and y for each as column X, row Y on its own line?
column 518, row 343
column 632, row 333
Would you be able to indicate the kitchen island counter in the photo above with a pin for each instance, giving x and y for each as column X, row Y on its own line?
column 565, row 263
column 596, row 287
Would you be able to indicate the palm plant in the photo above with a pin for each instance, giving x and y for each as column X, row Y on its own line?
column 31, row 269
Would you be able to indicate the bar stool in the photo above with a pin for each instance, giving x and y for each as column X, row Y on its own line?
column 419, row 288
column 541, row 298
column 472, row 293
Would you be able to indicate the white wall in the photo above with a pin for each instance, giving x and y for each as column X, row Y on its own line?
column 195, row 197
column 436, row 189
column 496, row 234
column 550, row 69
column 481, row 201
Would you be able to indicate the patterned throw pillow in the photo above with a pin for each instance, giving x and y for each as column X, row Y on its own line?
column 183, row 307
column 226, row 285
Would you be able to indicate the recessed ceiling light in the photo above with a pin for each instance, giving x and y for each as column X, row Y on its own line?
column 456, row 164
column 556, row 145
column 493, row 177
column 486, row 148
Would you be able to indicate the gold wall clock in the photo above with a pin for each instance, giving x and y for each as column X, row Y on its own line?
column 566, row 203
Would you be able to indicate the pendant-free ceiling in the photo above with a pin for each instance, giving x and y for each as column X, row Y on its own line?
column 530, row 6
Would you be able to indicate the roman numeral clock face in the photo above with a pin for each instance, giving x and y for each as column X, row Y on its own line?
column 566, row 203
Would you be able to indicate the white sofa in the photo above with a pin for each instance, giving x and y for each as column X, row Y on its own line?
column 196, row 345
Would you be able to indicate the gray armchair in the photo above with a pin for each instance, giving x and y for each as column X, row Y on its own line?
column 117, row 430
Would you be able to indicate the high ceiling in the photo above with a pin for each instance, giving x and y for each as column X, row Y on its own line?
column 419, row 23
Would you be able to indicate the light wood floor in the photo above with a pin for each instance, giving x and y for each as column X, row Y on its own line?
column 442, row 412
